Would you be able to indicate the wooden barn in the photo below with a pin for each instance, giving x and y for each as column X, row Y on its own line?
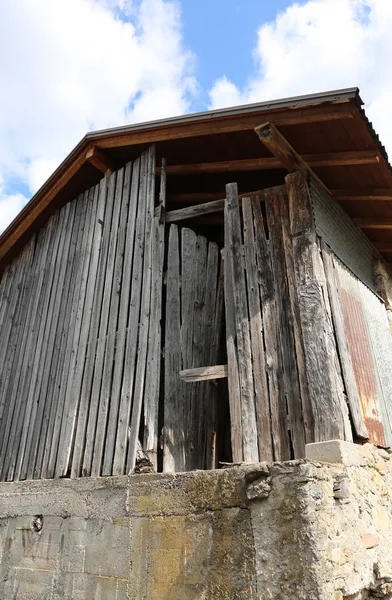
column 199, row 290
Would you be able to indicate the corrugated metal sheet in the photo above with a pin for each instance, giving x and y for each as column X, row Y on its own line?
column 342, row 235
column 358, row 304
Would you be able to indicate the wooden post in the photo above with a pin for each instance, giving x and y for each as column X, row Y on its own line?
column 325, row 383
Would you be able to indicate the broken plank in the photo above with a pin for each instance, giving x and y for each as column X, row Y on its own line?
column 204, row 373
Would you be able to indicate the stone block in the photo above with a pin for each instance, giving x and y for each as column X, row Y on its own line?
column 334, row 451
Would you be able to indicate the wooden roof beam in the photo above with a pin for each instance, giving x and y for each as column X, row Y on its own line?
column 236, row 122
column 330, row 159
column 373, row 223
column 101, row 160
column 363, row 194
column 383, row 246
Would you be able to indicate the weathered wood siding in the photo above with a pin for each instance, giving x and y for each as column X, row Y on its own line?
column 193, row 319
column 292, row 377
column 80, row 331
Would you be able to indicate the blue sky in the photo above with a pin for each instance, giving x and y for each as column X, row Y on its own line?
column 223, row 35
column 70, row 66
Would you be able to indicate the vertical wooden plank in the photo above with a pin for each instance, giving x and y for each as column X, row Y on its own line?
column 53, row 430
column 273, row 359
column 151, row 396
column 188, row 284
column 41, row 321
column 30, row 340
column 285, row 327
column 125, row 406
column 10, row 328
column 60, row 360
column 40, row 396
column 208, row 389
column 308, row 420
column 174, row 418
column 107, row 333
column 217, row 328
column 60, row 456
column 122, row 192
column 88, row 394
column 16, row 373
column 325, row 389
column 263, row 416
column 144, row 323
column 236, row 272
column 123, row 313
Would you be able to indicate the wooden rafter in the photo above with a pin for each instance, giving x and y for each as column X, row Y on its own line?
column 330, row 159
column 363, row 194
column 282, row 150
column 101, row 160
column 373, row 223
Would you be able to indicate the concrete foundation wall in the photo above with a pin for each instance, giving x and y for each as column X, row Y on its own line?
column 297, row 530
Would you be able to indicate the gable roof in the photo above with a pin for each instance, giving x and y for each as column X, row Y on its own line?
column 203, row 150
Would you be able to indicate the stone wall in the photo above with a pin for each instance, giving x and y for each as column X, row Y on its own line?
column 296, row 530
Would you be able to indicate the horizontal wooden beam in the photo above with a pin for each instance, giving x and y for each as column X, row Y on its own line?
column 227, row 124
column 204, row 373
column 194, row 198
column 330, row 159
column 383, row 246
column 363, row 194
column 181, row 214
column 194, row 211
column 102, row 161
column 373, row 223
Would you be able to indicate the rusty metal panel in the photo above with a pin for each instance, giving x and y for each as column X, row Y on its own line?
column 381, row 343
column 360, row 347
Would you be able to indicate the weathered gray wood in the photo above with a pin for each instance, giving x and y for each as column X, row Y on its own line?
column 10, row 329
column 308, row 420
column 263, row 416
column 198, row 210
column 342, row 344
column 88, row 395
column 125, row 406
column 107, row 332
column 152, row 389
column 325, row 389
column 174, row 418
column 61, row 449
column 204, row 373
column 49, row 354
column 62, row 376
column 30, row 341
column 31, row 403
column 132, row 188
column 215, row 356
column 16, row 377
column 144, row 322
column 233, row 374
column 40, row 325
column 65, row 331
column 196, row 426
column 236, row 272
column 293, row 402
column 122, row 190
column 209, row 390
column 188, row 284
column 273, row 358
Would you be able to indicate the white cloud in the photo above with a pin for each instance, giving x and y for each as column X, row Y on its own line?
column 321, row 45
column 70, row 66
